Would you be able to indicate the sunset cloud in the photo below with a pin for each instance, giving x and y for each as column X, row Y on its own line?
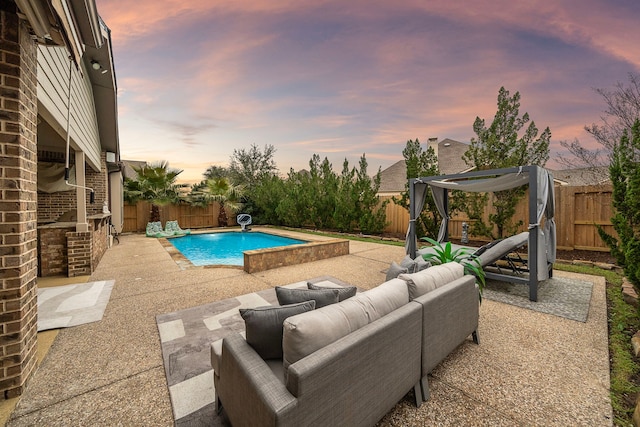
column 199, row 79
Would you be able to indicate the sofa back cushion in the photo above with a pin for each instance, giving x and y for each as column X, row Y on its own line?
column 432, row 278
column 305, row 333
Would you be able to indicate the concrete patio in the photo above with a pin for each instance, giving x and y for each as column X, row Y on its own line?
column 530, row 368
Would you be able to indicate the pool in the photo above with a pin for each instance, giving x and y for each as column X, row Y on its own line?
column 227, row 248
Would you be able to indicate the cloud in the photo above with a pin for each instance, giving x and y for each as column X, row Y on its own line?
column 343, row 78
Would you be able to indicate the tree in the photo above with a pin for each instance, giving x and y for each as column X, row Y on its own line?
column 155, row 183
column 219, row 190
column 371, row 214
column 421, row 164
column 501, row 146
column 248, row 167
column 344, row 215
column 625, row 176
column 319, row 191
column 622, row 109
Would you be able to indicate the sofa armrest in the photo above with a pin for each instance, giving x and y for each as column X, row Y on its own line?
column 250, row 392
column 450, row 315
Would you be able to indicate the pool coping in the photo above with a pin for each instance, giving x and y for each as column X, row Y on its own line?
column 316, row 248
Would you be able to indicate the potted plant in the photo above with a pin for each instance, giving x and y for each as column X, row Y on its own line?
column 445, row 253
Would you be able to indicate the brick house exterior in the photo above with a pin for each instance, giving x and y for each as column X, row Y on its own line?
column 31, row 49
column 18, row 169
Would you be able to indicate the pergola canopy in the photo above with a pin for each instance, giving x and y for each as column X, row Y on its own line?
column 542, row 241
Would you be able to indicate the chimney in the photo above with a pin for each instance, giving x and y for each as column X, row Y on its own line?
column 433, row 142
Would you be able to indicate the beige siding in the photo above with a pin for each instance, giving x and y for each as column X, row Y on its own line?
column 53, row 74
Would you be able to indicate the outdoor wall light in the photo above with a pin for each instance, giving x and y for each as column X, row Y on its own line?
column 96, row 66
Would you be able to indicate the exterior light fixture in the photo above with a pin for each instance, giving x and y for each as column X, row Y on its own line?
column 95, row 65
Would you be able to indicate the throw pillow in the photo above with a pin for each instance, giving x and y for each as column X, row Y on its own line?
column 395, row 270
column 343, row 292
column 414, row 265
column 322, row 297
column 264, row 326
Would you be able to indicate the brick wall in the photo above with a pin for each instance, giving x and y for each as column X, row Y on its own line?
column 18, row 203
column 52, row 250
column 52, row 205
column 100, row 242
column 98, row 181
column 79, row 251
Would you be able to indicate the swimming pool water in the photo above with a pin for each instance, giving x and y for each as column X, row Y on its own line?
column 226, row 248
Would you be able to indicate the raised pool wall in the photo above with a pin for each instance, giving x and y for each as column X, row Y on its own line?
column 266, row 259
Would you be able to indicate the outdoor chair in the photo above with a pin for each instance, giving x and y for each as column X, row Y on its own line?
column 154, row 229
column 172, row 228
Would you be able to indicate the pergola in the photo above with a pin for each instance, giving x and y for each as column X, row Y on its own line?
column 542, row 239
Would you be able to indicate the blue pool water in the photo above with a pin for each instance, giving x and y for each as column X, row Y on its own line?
column 226, row 248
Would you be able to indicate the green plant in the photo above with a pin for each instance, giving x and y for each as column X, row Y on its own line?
column 445, row 253
column 155, row 183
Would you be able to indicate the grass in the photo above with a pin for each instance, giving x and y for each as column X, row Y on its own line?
column 359, row 238
column 623, row 323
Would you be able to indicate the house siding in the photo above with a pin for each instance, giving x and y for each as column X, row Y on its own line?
column 18, row 172
column 53, row 87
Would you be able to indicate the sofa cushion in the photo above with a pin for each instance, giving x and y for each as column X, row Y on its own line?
column 343, row 292
column 432, row 278
column 308, row 332
column 414, row 265
column 395, row 270
column 322, row 297
column 264, row 326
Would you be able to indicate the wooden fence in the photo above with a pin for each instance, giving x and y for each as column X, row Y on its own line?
column 136, row 216
column 578, row 211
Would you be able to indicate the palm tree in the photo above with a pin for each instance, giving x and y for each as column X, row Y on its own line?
column 219, row 190
column 155, row 183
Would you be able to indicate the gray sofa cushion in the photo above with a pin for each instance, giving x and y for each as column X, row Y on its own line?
column 322, row 297
column 395, row 270
column 264, row 326
column 432, row 278
column 343, row 292
column 414, row 265
column 305, row 333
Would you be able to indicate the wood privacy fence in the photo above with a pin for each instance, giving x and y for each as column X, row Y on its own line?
column 578, row 211
column 136, row 216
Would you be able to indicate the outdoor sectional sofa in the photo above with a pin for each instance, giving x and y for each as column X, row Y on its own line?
column 349, row 363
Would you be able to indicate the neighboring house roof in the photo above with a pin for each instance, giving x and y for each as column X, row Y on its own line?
column 394, row 178
column 450, row 156
column 583, row 176
column 128, row 166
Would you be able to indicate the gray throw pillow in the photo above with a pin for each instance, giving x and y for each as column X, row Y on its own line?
column 394, row 270
column 264, row 326
column 414, row 265
column 343, row 293
column 322, row 297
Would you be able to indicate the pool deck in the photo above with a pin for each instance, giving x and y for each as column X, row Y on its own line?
column 529, row 369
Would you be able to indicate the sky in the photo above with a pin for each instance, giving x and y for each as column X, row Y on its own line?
column 198, row 79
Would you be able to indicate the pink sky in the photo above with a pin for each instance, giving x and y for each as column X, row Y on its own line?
column 198, row 79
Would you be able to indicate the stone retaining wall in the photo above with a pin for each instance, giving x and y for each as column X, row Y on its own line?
column 266, row 259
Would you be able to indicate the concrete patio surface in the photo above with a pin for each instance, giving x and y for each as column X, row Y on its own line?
column 529, row 369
